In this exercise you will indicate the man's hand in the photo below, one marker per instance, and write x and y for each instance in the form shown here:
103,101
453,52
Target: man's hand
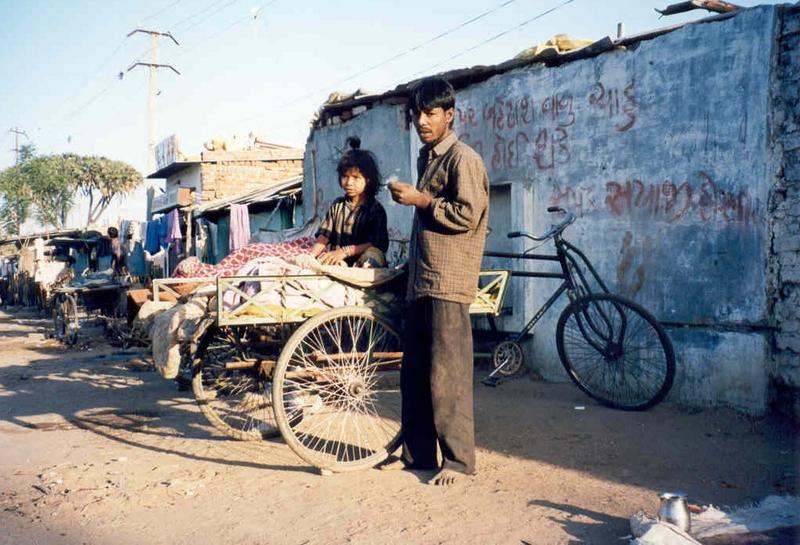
408,195
333,258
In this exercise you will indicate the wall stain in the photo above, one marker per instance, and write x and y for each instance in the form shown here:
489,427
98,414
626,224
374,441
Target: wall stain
630,276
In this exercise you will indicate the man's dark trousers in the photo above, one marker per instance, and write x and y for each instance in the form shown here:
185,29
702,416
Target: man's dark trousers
436,384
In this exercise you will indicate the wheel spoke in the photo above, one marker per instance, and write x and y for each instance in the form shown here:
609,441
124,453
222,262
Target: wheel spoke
359,420
615,351
236,401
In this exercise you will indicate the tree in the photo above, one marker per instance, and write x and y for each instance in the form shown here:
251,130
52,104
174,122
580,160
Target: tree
16,192
101,179
48,185
52,186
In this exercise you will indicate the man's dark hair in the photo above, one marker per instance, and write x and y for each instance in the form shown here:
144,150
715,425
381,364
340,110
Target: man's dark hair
432,93
113,232
364,161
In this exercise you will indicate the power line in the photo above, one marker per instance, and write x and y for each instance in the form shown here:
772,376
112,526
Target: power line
397,56
17,132
206,18
496,36
177,26
162,10
428,42
226,29
94,76
484,42
153,66
88,103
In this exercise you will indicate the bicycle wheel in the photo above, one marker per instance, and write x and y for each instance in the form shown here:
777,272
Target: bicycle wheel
507,358
229,387
65,319
615,351
337,389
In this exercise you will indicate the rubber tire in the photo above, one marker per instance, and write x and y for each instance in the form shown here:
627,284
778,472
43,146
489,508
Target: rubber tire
64,312
583,382
286,426
519,354
200,395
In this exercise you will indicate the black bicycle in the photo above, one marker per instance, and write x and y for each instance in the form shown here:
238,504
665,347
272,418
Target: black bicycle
610,346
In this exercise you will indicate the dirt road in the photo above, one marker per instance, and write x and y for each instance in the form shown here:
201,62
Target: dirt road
96,449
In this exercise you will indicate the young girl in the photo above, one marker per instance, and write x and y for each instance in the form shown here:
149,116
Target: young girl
354,229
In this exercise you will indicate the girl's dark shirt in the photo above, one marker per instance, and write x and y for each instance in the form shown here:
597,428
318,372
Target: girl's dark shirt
344,225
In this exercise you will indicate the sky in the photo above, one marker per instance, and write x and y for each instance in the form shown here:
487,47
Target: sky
251,65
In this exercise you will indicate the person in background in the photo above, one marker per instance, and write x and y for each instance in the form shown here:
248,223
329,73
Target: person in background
451,204
118,258
354,230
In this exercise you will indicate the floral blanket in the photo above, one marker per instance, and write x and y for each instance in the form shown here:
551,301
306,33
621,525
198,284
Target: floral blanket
233,263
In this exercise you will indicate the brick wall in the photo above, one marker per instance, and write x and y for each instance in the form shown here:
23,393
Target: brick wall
228,178
784,261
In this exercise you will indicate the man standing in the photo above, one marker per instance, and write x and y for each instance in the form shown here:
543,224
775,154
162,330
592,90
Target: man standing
451,203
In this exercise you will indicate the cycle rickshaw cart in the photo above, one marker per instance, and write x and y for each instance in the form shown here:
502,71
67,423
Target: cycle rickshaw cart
315,358
75,304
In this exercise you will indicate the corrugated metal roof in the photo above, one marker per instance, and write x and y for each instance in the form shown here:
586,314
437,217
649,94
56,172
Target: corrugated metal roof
463,77
271,193
265,153
21,239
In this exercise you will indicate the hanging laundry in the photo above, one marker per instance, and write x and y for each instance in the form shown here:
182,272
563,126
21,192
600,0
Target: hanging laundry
151,237
162,231
174,229
239,231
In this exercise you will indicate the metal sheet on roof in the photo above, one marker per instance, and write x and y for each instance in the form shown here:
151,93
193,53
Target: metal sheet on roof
463,77
277,191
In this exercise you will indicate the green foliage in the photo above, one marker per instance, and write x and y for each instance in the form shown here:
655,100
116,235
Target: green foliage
47,185
16,193
51,180
101,179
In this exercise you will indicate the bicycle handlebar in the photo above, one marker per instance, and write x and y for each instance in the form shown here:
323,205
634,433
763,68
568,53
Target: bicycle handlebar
553,230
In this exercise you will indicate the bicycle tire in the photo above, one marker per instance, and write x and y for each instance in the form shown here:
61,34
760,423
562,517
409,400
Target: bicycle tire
615,351
65,319
337,389
237,401
59,324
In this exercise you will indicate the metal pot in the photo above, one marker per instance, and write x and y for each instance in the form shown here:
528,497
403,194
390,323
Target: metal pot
675,510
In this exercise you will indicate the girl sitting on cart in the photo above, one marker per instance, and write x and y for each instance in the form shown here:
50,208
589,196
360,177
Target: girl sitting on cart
354,230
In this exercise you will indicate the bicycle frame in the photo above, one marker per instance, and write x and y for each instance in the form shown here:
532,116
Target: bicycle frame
574,281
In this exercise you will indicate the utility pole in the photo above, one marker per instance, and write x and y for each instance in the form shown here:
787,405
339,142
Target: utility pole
151,95
16,149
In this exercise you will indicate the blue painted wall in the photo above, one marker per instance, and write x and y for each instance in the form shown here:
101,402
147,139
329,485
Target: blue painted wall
661,149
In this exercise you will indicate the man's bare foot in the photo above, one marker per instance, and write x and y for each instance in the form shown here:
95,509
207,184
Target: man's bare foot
392,464
445,477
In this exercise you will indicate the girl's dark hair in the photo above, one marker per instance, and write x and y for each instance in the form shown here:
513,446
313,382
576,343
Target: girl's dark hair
430,93
364,161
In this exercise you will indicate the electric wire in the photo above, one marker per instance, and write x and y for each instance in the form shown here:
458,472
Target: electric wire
493,38
203,20
223,30
178,25
393,57
162,10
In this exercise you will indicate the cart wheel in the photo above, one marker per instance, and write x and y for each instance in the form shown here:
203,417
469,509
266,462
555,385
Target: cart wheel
230,388
337,389
65,319
507,358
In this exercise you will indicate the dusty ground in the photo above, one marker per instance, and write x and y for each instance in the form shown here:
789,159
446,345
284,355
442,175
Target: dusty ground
96,449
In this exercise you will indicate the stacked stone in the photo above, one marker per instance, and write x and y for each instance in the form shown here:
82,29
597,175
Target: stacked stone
229,178
784,287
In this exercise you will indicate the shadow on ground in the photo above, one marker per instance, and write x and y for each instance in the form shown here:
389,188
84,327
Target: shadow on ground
718,456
